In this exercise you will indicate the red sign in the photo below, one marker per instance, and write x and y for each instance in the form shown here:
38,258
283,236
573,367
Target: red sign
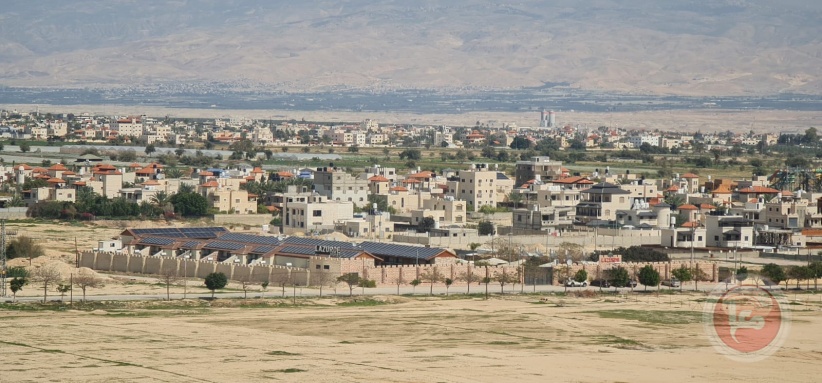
610,258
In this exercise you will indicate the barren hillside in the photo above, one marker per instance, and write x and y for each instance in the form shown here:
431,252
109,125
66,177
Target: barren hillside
727,47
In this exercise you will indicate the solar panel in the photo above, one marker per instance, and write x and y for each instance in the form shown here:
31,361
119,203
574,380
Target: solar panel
304,250
156,241
190,244
219,245
402,251
315,242
257,239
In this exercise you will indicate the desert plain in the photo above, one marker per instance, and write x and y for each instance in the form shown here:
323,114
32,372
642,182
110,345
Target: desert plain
575,337
525,338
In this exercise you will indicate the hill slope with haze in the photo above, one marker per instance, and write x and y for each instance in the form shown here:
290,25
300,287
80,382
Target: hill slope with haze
723,47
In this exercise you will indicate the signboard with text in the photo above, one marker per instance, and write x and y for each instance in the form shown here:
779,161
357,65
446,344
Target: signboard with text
333,251
615,258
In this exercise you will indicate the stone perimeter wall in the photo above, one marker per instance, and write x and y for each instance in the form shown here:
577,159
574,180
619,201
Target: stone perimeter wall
382,275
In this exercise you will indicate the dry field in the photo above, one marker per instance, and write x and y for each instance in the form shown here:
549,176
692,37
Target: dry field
705,120
597,339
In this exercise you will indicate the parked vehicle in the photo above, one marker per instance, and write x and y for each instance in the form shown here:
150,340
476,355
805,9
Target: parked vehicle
573,283
600,283
673,282
632,283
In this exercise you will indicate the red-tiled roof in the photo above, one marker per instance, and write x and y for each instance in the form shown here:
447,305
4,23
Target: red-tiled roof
687,206
398,188
210,184
205,173
758,190
707,206
672,188
56,181
689,175
377,178
722,189
690,224
257,170
422,174
58,167
573,180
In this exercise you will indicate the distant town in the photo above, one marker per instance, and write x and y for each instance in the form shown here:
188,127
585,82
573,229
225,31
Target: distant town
514,181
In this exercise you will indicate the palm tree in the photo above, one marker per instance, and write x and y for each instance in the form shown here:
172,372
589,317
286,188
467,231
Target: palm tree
161,198
185,188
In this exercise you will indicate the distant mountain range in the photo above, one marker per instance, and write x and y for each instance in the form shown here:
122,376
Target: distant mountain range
680,47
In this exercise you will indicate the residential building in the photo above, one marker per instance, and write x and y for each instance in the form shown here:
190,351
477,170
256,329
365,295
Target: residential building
541,166
313,213
338,185
477,186
601,202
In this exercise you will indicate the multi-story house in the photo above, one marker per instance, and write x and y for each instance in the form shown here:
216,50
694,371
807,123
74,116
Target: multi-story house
543,166
477,186
130,126
785,211
446,211
303,212
338,185
601,202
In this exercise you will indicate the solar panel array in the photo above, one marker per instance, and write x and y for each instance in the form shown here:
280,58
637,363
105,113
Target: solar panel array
263,249
302,250
249,238
188,232
315,242
402,251
156,241
190,244
203,232
220,245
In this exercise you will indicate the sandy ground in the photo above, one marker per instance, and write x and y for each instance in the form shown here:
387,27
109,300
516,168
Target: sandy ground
634,338
706,120
410,340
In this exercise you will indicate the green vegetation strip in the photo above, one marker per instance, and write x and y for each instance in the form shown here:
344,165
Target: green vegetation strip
653,317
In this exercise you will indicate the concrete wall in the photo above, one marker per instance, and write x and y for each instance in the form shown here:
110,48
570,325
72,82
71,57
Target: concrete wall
13,213
277,275
383,275
627,238
242,219
597,270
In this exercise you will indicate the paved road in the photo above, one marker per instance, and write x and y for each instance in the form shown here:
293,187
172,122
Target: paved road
421,290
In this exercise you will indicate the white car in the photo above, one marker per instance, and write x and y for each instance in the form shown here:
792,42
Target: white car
673,282
573,283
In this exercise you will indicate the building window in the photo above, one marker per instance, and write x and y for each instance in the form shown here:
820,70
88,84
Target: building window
317,213
326,267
